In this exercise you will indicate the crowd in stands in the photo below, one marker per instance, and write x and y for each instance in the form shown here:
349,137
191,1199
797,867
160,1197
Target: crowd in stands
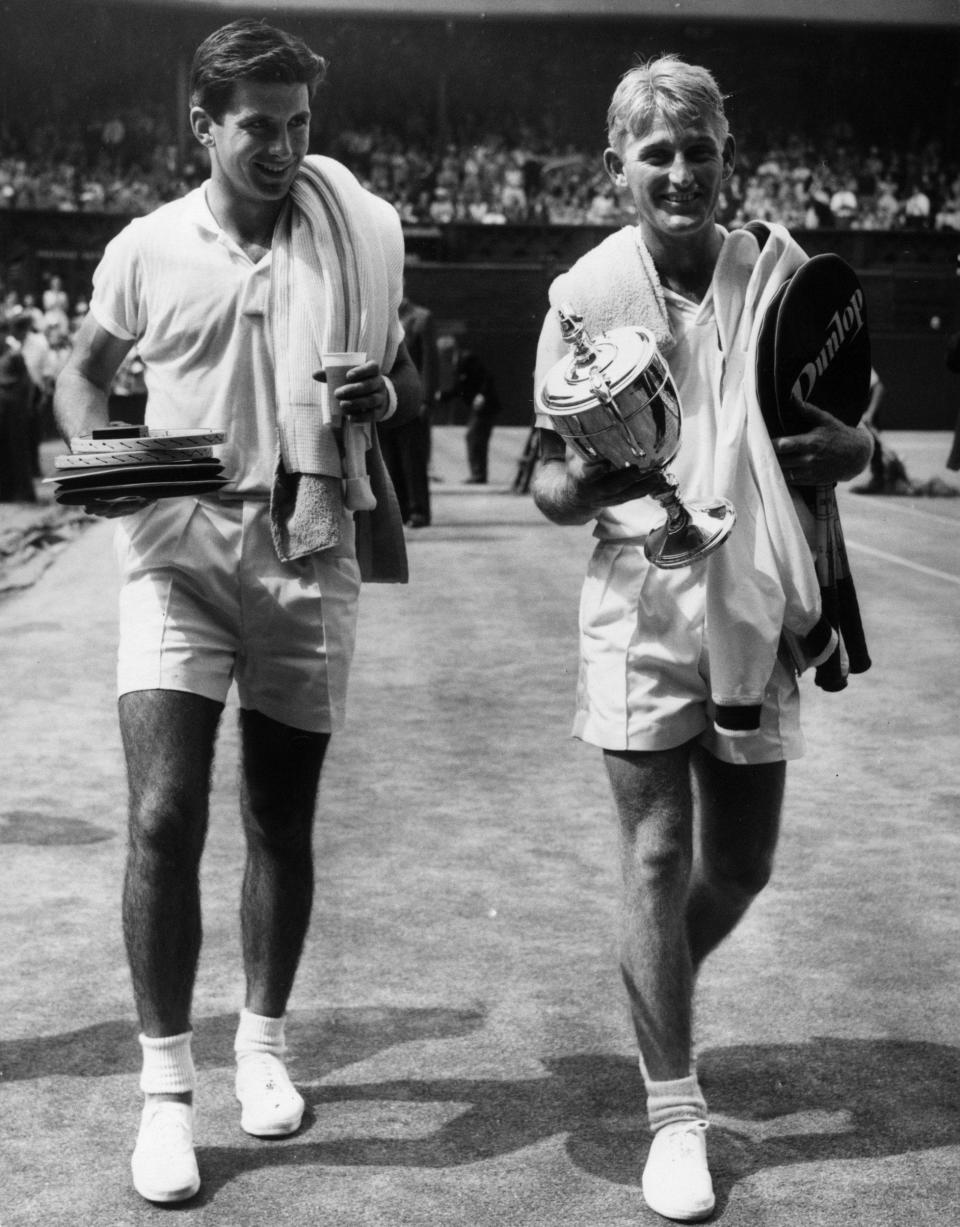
131,163
36,338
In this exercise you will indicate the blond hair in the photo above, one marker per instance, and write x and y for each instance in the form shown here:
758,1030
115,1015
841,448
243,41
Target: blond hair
665,88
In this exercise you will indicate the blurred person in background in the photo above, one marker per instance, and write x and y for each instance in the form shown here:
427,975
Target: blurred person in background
18,400
35,348
54,360
406,449
128,390
844,205
917,209
56,303
477,390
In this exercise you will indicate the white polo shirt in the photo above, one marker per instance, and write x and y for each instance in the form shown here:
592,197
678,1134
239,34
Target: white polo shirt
198,308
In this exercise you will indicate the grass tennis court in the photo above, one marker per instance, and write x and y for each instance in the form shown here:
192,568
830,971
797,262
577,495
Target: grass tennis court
458,1028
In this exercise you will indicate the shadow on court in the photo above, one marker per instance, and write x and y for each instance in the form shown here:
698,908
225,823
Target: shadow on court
324,1040
829,1099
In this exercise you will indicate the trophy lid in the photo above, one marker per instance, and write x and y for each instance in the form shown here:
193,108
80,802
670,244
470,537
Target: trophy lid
597,369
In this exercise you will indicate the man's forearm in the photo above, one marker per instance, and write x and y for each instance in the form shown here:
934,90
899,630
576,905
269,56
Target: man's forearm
79,406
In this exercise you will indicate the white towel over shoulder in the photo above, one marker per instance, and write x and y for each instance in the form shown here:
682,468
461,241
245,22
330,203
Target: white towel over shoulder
614,285
337,282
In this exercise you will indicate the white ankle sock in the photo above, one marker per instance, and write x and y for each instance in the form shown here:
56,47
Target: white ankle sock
167,1065
676,1100
257,1033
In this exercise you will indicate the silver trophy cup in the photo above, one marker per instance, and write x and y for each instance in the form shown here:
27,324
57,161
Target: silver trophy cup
614,399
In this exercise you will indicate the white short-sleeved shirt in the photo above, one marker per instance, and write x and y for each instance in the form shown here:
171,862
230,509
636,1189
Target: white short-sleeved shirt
198,308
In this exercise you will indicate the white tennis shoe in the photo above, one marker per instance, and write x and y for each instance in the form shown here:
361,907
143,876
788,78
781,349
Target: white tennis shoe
676,1179
272,1105
163,1163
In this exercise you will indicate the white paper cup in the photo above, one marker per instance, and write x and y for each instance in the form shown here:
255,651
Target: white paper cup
336,366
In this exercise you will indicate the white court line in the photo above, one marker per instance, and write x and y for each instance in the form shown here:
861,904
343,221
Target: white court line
904,562
925,514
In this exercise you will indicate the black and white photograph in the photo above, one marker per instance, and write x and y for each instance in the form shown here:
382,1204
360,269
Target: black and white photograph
479,637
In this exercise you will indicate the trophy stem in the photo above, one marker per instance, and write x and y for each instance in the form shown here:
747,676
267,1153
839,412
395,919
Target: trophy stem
690,532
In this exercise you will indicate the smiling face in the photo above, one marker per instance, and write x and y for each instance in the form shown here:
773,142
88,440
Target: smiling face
674,176
257,145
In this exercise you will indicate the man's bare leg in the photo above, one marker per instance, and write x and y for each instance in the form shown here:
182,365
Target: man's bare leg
168,738
654,801
278,795
653,798
280,776
739,825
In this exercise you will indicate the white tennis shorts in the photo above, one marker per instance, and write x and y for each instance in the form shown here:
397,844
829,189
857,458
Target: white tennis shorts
644,681
204,602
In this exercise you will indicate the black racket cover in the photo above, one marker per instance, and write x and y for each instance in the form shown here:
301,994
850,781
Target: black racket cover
822,343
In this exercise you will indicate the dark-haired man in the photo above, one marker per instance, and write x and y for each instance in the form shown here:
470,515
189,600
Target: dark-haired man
230,295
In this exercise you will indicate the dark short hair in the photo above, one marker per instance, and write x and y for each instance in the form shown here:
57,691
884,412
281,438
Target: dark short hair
249,50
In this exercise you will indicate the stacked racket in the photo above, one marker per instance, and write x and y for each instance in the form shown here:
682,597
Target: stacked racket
117,463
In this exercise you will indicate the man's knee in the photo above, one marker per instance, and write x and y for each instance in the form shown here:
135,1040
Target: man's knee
739,876
280,776
280,826
167,823
659,861
168,739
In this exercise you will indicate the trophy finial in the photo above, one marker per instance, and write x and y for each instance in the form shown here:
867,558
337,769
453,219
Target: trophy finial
574,333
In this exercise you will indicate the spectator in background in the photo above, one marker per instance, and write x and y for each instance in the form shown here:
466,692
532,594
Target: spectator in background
844,204
80,309
513,196
54,360
916,209
953,364
127,401
442,210
818,214
28,305
603,210
406,448
56,304
127,163
35,350
17,408
948,215
447,395
478,392
888,205
879,461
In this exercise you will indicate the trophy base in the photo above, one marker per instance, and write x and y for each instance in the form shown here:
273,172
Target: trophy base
696,532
